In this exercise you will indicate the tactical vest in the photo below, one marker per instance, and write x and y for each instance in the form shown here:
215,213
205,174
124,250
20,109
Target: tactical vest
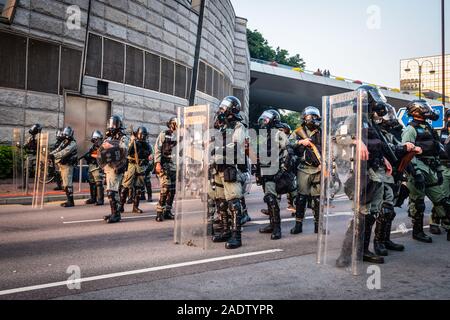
31,146
306,154
143,151
70,159
375,147
426,139
168,145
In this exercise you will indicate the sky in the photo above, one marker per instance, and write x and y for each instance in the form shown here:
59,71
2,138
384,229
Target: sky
357,39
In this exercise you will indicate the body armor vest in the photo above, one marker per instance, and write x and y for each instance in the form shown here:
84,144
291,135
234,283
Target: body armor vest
426,140
168,145
375,147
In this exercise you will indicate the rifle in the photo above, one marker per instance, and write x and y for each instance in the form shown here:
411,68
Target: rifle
136,157
302,134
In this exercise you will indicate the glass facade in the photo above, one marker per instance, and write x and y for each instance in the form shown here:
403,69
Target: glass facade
431,82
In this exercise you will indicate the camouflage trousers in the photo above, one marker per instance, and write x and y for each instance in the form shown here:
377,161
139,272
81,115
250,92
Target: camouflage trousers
167,181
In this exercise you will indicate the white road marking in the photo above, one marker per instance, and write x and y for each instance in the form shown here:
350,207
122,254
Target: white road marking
407,230
337,214
100,220
134,272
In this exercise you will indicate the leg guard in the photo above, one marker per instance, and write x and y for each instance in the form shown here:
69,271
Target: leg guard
271,201
236,228
69,195
245,216
100,194
93,193
300,211
380,234
224,221
115,213
390,216
123,199
137,199
316,211
418,233
369,256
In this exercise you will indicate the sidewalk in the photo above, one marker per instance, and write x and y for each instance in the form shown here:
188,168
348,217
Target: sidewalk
9,196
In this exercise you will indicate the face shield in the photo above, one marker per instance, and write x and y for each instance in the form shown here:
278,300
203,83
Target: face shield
428,112
311,118
265,119
390,119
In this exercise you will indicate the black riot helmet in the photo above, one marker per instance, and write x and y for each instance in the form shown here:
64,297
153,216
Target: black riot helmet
172,124
97,138
421,108
286,128
115,123
390,121
377,100
311,118
141,134
270,119
59,135
68,133
228,112
35,129
447,118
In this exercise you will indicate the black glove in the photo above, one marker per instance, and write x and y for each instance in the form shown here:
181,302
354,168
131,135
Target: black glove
419,182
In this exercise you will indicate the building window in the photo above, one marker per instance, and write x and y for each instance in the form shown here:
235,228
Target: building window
70,69
7,10
167,76
134,69
196,4
152,71
13,52
94,56
201,83
180,81
43,66
113,60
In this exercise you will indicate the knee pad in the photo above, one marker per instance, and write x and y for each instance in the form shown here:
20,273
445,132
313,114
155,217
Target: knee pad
270,200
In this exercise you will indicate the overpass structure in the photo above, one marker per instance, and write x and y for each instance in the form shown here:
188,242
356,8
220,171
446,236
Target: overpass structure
294,89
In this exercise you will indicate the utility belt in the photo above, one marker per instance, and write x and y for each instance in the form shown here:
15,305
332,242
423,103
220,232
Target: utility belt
140,162
433,163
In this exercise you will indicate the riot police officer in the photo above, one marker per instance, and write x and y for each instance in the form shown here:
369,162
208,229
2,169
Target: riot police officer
229,157
138,159
292,195
30,148
371,151
271,164
58,180
445,158
66,158
390,130
149,171
113,159
427,178
166,169
96,188
307,143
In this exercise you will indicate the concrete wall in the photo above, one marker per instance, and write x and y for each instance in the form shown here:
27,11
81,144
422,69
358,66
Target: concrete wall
164,27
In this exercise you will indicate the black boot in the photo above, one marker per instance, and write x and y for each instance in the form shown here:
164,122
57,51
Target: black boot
225,234
168,213
299,214
123,199
418,233
435,229
245,216
69,194
100,194
236,212
387,242
379,239
369,256
115,216
131,193
170,198
93,193
143,194
268,228
159,216
137,200
276,233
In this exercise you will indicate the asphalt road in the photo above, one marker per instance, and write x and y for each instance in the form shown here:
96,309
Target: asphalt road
137,259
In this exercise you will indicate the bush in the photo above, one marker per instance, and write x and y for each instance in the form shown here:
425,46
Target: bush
6,162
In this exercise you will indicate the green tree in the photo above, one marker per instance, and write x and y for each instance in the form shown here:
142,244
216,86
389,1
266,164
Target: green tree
260,49
292,118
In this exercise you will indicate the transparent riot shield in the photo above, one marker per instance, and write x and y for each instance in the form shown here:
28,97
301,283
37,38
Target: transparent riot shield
344,174
18,161
191,207
41,171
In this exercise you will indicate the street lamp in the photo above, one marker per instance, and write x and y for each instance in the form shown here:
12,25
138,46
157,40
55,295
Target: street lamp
408,69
